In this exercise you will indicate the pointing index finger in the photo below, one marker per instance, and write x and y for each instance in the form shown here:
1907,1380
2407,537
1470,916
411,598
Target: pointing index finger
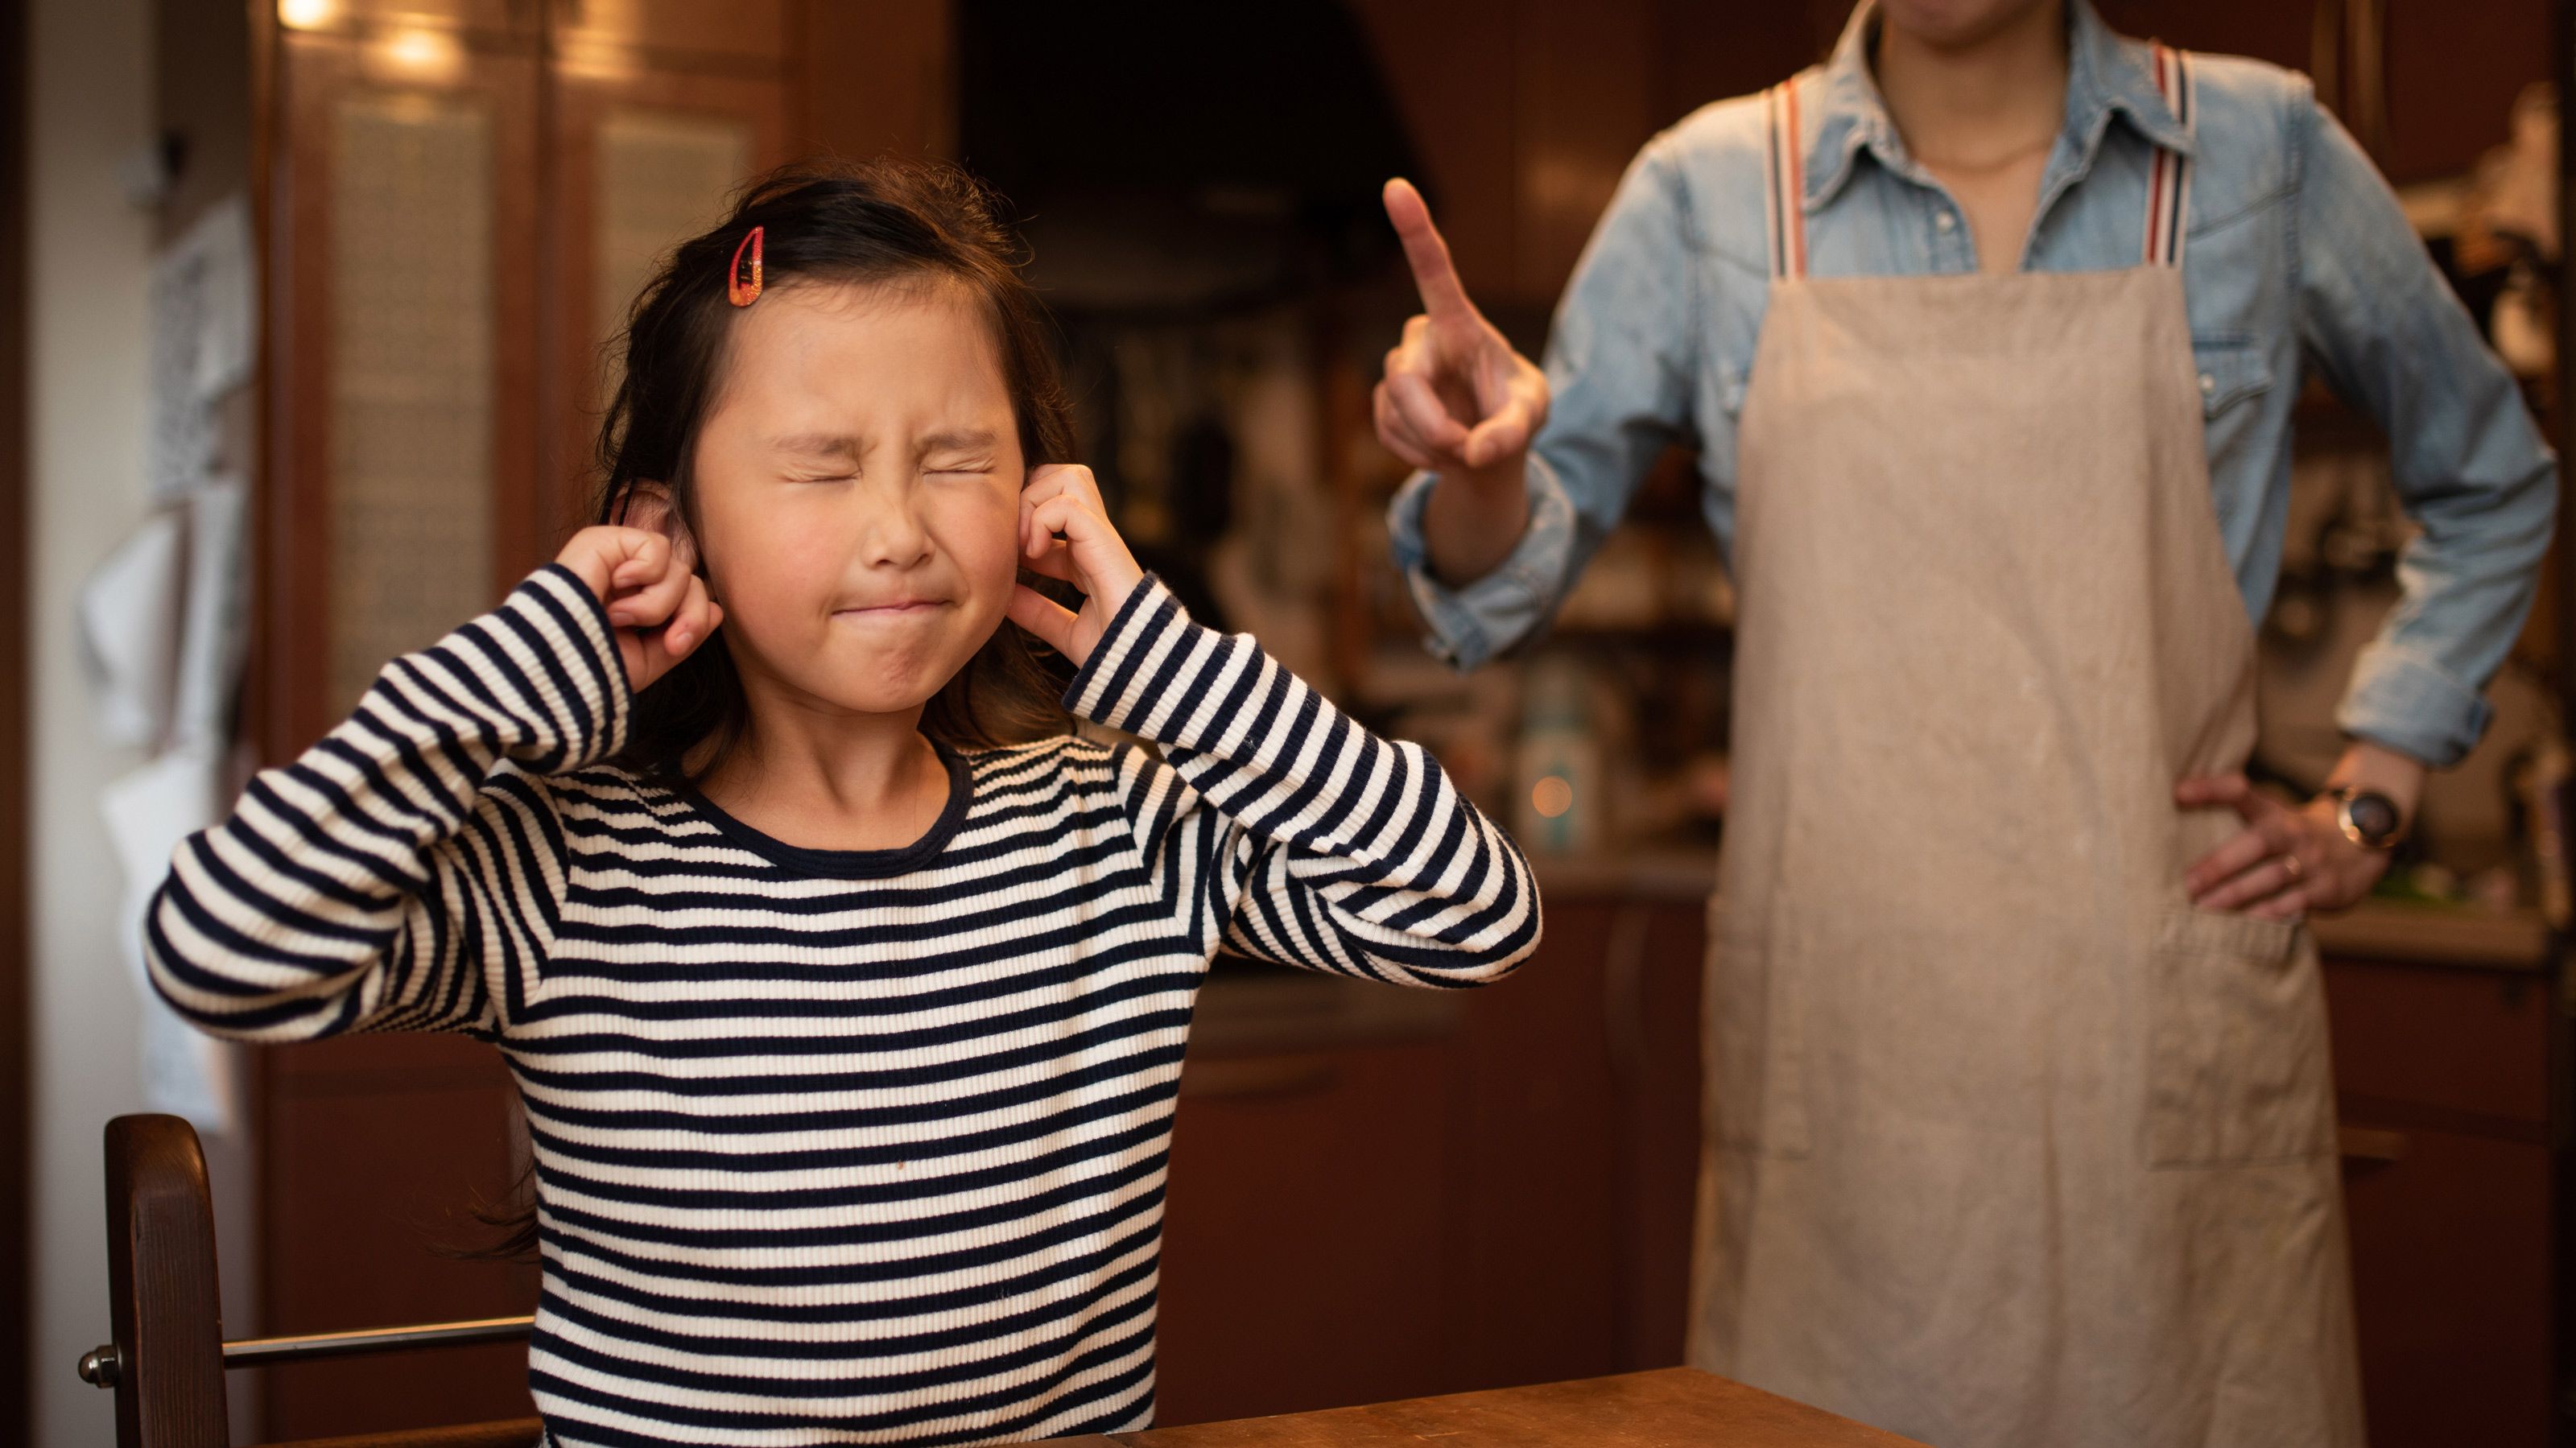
1424,251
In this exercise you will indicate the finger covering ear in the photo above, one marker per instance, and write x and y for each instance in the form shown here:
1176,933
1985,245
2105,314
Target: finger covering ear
649,505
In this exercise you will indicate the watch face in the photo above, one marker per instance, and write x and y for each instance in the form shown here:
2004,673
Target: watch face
2373,816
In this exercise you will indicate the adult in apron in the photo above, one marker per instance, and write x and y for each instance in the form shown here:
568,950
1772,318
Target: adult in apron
2007,1143
2014,1146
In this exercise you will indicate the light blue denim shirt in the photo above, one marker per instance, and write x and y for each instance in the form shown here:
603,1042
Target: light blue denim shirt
2296,252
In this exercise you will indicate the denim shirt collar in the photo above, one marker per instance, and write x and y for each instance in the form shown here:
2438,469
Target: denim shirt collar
2104,77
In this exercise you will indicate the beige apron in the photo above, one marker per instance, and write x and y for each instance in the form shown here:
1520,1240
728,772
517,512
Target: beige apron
2008,1145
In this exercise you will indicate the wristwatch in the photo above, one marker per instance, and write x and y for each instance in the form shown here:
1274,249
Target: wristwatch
2367,817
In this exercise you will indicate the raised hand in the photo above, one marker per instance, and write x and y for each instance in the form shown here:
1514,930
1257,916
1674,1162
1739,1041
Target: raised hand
1065,533
649,584
1456,399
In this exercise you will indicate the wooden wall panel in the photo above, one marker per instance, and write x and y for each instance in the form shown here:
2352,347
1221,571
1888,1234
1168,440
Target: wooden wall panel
2281,33
1705,52
2453,73
378,1148
1452,67
1585,108
869,79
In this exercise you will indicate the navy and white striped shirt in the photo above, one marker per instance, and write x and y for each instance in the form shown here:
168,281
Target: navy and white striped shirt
831,1146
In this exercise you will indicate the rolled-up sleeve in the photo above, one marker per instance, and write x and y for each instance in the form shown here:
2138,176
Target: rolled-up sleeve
1620,364
2469,464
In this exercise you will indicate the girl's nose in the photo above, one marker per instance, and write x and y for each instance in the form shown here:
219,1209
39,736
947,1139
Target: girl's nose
891,533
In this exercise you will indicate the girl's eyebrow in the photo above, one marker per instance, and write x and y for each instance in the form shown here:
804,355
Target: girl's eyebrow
968,440
832,444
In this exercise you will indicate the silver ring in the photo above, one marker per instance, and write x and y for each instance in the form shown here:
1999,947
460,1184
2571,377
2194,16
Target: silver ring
2297,869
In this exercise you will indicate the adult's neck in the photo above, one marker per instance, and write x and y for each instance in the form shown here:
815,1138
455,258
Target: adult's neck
1967,97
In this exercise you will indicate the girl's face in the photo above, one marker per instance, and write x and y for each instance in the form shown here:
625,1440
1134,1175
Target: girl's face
858,481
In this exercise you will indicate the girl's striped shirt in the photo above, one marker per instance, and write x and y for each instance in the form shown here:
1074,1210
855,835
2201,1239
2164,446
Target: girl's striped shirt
831,1146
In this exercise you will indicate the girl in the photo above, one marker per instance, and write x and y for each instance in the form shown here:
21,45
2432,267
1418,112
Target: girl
846,991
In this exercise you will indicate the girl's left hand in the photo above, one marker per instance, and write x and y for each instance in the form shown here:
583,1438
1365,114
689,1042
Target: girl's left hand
2284,863
1065,533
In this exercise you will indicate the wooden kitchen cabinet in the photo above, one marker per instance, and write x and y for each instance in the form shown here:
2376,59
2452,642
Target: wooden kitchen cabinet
875,79
1526,114
1507,1198
1579,1109
2451,1252
1655,1004
380,1149
2452,74
2428,90
2467,1046
1448,65
1307,1226
2443,1075
1536,1233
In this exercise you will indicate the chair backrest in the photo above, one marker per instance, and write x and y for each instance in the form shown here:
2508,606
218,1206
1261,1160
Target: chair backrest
166,1362
163,1303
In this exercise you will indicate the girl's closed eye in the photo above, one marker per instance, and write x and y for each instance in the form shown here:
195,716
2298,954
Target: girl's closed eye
966,452
819,457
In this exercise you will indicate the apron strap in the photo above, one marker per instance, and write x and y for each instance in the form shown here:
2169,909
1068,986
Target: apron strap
2169,176
1784,188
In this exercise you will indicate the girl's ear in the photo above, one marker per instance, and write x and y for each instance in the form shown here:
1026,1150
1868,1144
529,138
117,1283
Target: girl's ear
647,505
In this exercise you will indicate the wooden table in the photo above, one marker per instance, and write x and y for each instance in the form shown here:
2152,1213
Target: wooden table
1671,1406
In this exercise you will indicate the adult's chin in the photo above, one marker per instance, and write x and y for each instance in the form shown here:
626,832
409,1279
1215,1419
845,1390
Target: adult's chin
1948,24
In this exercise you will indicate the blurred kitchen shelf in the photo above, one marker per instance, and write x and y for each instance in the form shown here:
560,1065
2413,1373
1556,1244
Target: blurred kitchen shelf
2437,935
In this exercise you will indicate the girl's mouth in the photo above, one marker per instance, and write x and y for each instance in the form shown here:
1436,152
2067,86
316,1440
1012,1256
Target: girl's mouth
898,608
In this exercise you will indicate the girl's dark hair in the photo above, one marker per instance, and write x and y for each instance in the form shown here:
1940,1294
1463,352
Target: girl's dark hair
883,222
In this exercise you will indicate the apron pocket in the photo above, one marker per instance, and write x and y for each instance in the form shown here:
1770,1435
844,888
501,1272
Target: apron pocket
2236,1043
1753,1035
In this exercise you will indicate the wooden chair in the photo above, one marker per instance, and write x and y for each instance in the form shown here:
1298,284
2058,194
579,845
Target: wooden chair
169,1356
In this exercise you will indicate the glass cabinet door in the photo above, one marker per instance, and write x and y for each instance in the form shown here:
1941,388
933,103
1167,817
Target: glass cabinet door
411,402
404,297
644,157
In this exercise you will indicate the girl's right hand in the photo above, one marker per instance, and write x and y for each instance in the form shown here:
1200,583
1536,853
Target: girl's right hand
653,595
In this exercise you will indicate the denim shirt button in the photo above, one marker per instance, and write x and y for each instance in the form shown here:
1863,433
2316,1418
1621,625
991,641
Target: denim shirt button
1945,221
2208,384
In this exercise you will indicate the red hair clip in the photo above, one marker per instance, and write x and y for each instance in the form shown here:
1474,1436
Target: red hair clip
738,291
